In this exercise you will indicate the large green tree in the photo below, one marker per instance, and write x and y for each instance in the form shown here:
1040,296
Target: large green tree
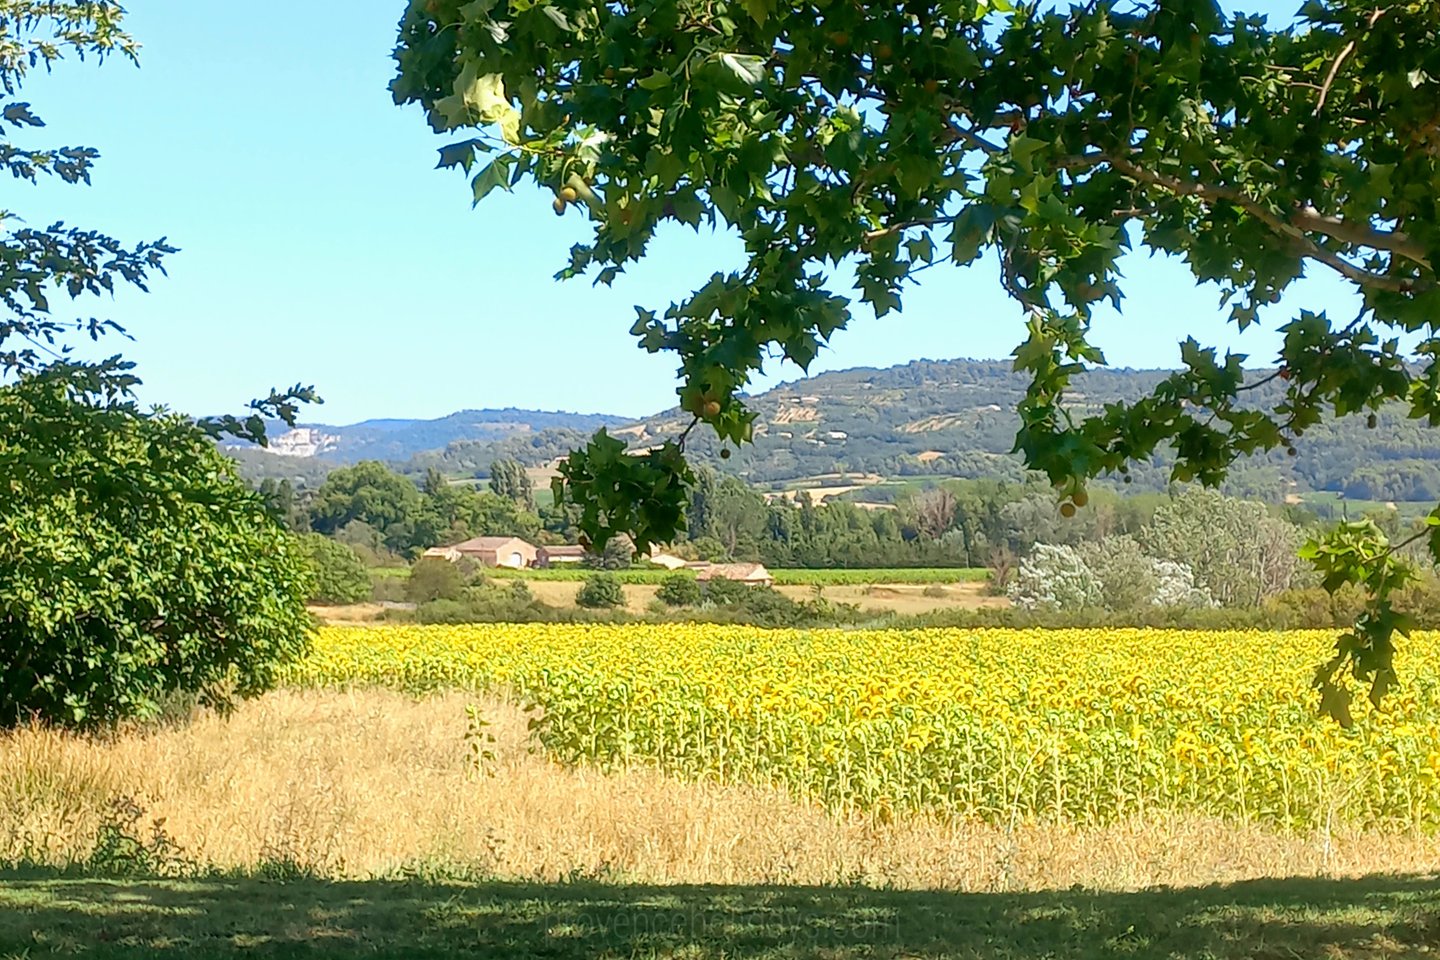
508,479
370,493
894,138
133,561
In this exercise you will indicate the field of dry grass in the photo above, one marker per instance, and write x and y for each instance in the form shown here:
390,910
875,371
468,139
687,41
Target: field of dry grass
879,597
373,783
907,599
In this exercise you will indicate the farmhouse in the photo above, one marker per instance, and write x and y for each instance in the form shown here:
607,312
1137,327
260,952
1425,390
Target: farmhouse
490,551
666,560
559,555
753,574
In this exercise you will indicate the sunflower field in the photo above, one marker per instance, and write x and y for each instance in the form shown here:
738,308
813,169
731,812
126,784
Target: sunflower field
1083,726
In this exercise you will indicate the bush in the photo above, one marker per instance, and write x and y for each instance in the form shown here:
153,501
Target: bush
136,565
729,601
679,590
722,592
385,589
434,578
601,592
935,590
1055,577
444,611
339,575
1129,579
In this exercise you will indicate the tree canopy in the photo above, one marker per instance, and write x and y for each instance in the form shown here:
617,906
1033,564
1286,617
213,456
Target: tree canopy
894,138
134,563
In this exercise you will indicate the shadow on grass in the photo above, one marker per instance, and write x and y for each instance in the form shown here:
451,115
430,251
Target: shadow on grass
45,915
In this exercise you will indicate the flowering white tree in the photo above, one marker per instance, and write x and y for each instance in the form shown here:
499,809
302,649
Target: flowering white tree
1055,577
1111,574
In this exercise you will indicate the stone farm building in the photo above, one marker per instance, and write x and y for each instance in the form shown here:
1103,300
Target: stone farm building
491,552
559,556
753,574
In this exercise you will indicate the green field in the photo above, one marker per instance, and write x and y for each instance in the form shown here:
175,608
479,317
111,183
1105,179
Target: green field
804,578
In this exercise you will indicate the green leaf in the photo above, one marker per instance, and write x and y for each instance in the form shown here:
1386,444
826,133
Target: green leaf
759,9
557,16
462,154
495,174
747,68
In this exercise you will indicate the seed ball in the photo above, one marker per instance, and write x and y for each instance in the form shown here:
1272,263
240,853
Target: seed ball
711,409
1067,510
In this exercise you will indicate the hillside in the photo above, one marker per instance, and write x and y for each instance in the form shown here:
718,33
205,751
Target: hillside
401,439
956,418
925,419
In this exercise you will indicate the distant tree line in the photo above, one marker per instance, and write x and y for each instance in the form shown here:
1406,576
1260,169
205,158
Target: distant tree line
1121,553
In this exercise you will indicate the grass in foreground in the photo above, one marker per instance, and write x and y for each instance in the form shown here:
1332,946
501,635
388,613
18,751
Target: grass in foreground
1376,917
369,784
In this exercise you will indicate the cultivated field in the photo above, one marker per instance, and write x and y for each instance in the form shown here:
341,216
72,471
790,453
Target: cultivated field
373,783
702,791
1004,726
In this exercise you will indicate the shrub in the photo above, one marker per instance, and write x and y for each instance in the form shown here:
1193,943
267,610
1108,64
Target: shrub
935,590
602,591
679,590
387,589
339,575
434,578
444,611
761,606
722,592
134,565
1055,577
1129,579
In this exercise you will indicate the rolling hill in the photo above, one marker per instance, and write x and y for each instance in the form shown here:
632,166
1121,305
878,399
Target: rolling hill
925,419
398,440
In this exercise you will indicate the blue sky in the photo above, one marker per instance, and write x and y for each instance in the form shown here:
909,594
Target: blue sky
318,244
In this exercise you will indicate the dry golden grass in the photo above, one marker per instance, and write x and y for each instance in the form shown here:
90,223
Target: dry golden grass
350,614
905,598
882,598
901,598
561,593
366,783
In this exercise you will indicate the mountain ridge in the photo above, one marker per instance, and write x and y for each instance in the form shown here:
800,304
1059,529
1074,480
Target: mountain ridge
928,419
399,438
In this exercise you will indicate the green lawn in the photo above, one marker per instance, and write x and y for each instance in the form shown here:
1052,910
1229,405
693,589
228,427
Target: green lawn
52,916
